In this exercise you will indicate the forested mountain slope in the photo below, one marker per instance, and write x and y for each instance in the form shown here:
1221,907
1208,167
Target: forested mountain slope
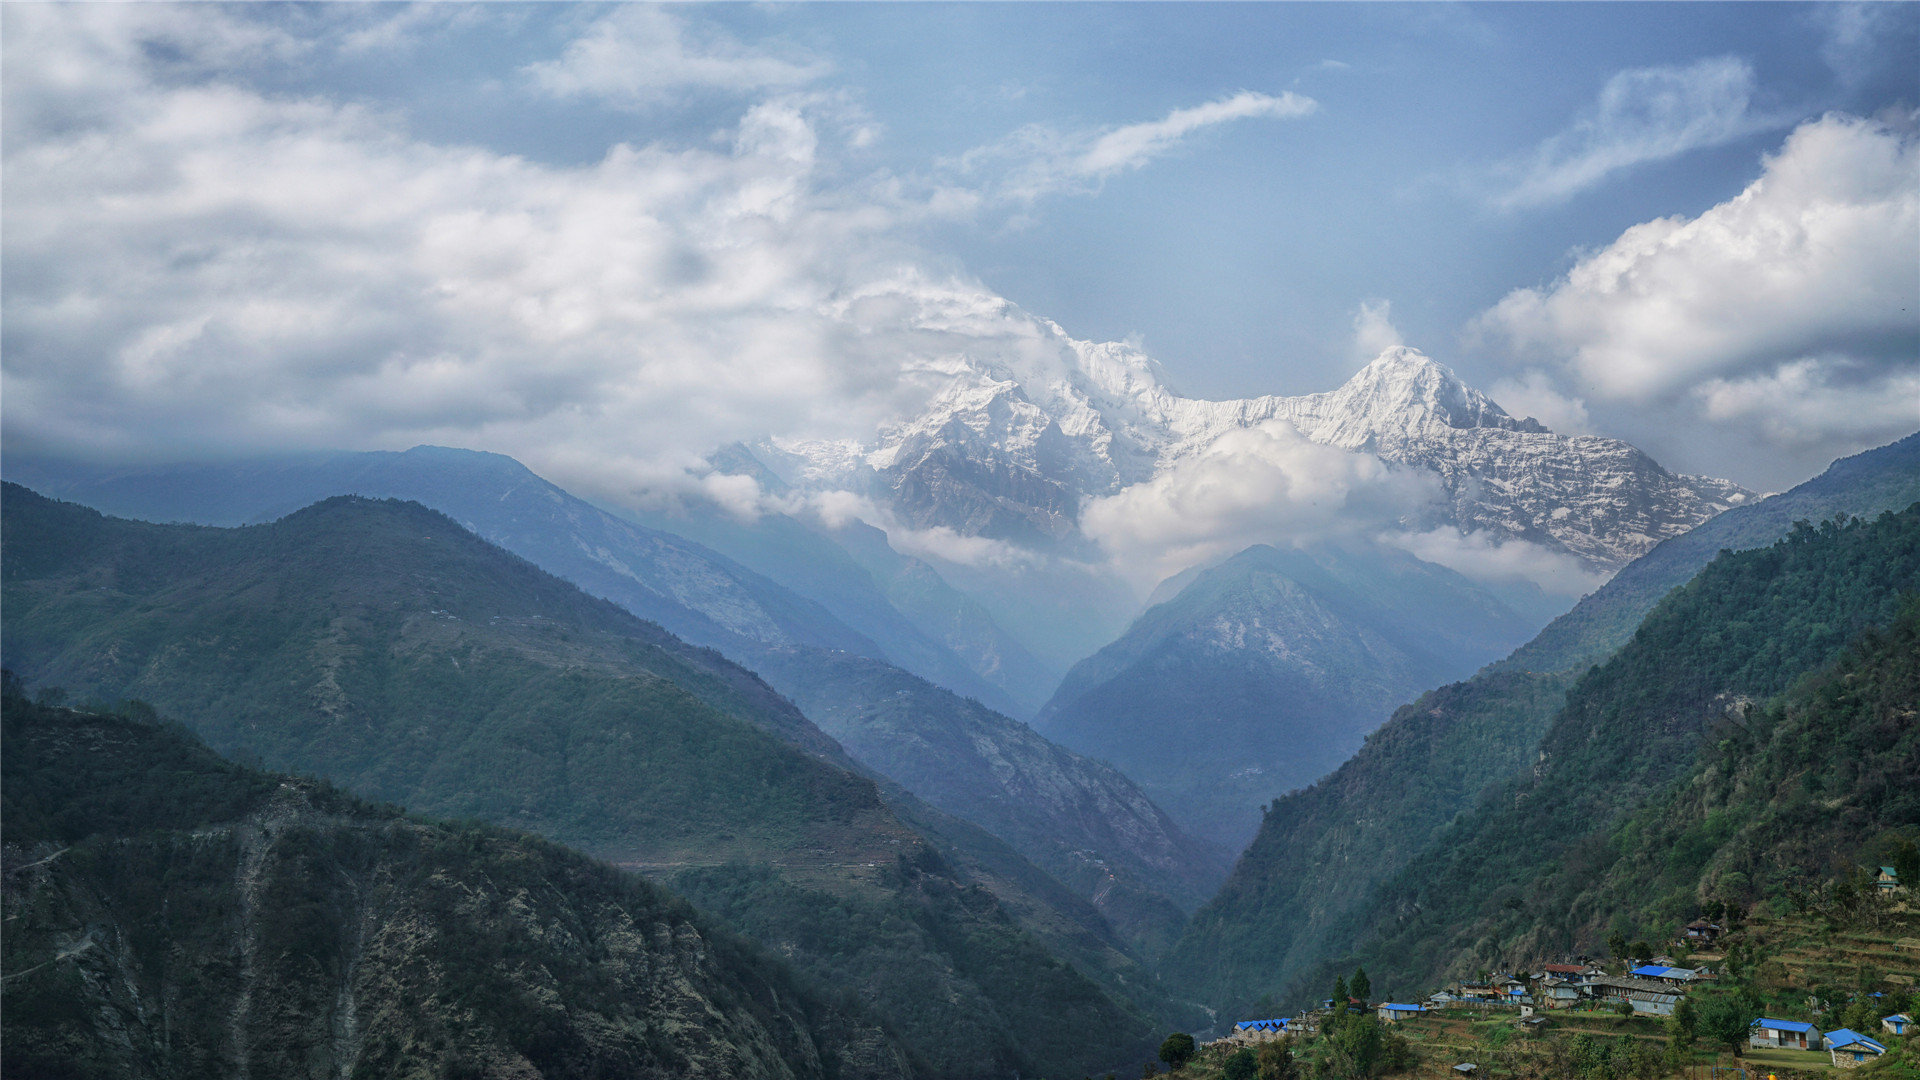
709,599
1320,851
1782,797
379,644
1264,673
1743,630
172,915
1097,832
1884,478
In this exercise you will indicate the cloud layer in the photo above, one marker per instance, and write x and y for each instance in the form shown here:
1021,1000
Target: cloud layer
642,55
1038,161
1259,485
1790,307
1643,115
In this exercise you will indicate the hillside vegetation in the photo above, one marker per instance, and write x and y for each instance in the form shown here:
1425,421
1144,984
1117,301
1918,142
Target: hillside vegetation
382,646
1741,631
1321,851
172,915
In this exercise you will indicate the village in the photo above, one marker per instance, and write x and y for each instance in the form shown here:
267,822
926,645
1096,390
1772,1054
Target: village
1768,994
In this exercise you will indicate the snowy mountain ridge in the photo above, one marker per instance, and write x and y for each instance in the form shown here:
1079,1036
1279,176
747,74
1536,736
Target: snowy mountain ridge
1016,441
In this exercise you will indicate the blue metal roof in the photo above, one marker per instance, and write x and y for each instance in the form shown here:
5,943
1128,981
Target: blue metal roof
1261,1025
1849,1037
1782,1025
1403,1008
1655,971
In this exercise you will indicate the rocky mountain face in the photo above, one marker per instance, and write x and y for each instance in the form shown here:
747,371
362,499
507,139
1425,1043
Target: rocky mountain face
1311,872
171,915
1011,449
1265,672
380,644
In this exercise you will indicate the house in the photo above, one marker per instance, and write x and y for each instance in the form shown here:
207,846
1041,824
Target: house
1389,1011
1850,1048
1648,996
1569,972
1465,1068
1701,932
1478,992
1789,1034
1559,993
1898,1023
1258,1030
1889,879
1673,976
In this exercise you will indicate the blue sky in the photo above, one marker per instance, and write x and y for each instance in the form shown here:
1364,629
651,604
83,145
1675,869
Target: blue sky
1260,194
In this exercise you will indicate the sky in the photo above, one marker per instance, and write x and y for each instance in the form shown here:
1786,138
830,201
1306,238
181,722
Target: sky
606,239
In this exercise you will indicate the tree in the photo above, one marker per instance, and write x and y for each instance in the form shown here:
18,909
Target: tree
1241,1065
1725,1018
1276,1061
1358,1045
1640,951
1906,865
1177,1050
1361,987
1617,944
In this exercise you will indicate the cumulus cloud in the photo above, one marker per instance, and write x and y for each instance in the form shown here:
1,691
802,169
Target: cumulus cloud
1260,485
641,55
1789,309
1643,115
1499,561
200,268
1808,402
1373,330
1037,161
1534,394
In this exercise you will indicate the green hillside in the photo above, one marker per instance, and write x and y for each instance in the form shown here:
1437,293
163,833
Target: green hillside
1783,798
1743,630
1321,851
172,915
380,645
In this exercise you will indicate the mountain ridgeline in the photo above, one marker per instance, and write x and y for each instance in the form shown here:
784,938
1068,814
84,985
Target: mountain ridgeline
382,646
1263,673
1495,884
171,915
1321,852
1153,874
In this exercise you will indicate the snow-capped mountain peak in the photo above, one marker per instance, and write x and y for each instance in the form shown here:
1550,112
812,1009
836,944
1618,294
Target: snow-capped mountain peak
1012,446
1401,394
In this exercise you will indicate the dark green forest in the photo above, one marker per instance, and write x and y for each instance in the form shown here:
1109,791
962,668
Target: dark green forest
1744,630
173,915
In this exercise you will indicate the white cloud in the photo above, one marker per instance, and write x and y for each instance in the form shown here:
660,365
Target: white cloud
1261,485
1496,561
194,267
1534,394
1817,401
641,55
1037,161
1643,115
1785,311
1373,330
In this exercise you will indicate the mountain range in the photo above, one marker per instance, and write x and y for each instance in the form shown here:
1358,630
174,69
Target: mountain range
1073,812
1013,453
1302,894
1263,673
380,644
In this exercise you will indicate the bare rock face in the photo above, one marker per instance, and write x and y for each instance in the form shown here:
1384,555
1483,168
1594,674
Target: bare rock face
1011,448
